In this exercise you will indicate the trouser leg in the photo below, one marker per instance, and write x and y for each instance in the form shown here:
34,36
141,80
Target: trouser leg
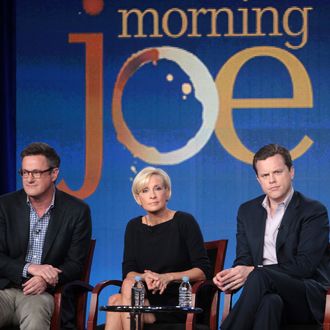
68,310
260,283
34,312
242,315
269,313
296,309
7,306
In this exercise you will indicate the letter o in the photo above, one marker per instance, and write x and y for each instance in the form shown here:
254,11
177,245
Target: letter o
205,92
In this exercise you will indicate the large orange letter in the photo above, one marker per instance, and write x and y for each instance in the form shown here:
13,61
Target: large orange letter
302,98
94,113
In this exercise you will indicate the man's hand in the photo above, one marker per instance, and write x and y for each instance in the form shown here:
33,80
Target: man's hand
232,278
156,282
35,285
47,272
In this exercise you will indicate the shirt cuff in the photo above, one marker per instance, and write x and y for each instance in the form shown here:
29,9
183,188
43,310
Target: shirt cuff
25,270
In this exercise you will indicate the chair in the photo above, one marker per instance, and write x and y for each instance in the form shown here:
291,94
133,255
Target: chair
216,251
81,288
326,322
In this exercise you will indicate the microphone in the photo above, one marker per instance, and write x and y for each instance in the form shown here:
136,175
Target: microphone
38,231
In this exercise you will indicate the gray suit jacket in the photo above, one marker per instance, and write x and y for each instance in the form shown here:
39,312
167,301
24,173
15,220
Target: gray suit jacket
301,245
66,242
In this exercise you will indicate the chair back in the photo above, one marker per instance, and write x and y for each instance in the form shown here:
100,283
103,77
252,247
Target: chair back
81,288
216,251
88,264
326,321
208,297
82,298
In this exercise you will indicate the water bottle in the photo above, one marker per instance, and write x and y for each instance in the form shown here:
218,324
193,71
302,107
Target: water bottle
185,294
138,292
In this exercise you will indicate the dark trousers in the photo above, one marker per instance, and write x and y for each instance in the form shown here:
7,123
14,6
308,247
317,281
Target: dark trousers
68,310
268,300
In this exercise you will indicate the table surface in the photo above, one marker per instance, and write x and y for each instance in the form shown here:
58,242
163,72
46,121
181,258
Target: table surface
150,309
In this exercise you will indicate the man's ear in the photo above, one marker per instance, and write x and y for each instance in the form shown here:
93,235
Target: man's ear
292,172
55,173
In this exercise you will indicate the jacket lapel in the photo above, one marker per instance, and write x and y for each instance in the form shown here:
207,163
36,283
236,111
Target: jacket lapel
23,217
288,218
260,233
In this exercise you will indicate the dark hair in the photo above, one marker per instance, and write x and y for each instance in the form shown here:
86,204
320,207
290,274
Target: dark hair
270,150
41,148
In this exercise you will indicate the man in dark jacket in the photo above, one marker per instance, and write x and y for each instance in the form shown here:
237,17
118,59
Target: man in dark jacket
44,240
282,259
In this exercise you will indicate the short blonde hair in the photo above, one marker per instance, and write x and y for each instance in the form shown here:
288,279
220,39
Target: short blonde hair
143,177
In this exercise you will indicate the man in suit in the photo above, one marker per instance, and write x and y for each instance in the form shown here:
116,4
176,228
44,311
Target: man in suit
282,259
44,240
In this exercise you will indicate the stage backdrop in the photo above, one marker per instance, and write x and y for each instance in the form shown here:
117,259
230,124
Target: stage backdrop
194,87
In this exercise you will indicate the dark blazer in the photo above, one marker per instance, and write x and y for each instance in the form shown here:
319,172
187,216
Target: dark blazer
66,242
301,245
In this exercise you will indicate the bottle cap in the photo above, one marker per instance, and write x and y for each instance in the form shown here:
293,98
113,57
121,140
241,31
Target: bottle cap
137,278
185,278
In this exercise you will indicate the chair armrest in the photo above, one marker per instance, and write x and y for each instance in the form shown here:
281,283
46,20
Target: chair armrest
326,322
77,285
56,317
196,288
228,298
93,308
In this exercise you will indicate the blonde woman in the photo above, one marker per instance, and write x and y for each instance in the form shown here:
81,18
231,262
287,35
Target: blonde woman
161,246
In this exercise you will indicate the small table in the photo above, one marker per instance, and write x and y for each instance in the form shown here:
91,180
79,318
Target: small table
136,311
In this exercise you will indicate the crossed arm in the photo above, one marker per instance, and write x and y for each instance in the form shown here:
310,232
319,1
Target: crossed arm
47,275
42,277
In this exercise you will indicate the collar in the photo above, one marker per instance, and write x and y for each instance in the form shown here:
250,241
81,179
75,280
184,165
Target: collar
284,203
51,205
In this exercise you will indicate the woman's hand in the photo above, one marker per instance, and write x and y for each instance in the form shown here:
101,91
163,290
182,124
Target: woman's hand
156,282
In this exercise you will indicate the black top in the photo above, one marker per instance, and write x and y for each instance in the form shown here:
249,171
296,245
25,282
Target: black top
173,246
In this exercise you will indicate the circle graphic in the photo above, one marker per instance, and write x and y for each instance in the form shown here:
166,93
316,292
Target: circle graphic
205,92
